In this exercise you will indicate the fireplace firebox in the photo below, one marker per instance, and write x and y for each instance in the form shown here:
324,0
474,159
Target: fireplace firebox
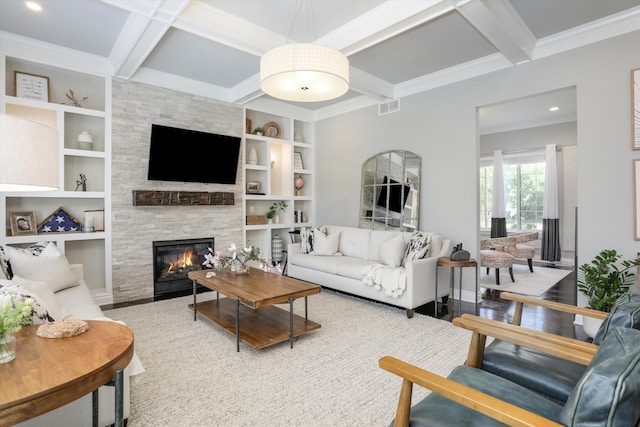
172,262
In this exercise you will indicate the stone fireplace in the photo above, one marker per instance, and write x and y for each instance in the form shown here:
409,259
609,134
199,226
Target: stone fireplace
172,262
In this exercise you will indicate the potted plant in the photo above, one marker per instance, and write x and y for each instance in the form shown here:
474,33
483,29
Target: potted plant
258,131
274,209
603,281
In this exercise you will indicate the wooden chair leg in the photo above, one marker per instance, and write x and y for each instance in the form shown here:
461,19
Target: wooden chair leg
497,276
530,261
511,274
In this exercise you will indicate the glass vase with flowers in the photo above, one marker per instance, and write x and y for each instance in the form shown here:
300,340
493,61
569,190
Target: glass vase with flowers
15,312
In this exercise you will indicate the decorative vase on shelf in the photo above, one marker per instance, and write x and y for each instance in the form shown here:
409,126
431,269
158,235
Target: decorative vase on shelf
276,248
252,158
298,183
269,220
276,219
298,136
7,348
85,141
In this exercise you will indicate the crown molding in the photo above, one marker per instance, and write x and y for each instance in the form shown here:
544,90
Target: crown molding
612,26
54,55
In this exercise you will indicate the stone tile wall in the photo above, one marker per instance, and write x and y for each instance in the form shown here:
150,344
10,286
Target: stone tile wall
135,107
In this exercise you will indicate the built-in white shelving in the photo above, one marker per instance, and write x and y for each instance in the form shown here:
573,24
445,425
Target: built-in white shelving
274,174
93,249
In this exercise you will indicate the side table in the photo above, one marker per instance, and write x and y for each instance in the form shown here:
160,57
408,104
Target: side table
48,373
448,262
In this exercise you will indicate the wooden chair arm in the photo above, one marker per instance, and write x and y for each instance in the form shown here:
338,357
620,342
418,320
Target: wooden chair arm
467,396
535,340
546,336
558,306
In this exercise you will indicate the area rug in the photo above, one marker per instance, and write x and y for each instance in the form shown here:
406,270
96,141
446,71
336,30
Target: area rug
195,377
527,283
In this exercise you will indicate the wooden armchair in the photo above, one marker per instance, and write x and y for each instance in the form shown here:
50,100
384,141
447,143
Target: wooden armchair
459,399
556,378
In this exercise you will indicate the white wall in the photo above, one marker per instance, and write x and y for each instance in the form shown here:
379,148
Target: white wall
440,125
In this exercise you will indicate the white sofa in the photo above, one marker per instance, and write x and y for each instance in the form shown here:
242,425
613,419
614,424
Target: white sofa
43,272
361,248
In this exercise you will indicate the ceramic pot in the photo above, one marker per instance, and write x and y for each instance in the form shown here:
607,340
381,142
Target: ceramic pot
591,326
252,158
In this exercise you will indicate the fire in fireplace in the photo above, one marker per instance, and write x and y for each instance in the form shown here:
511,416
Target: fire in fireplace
173,260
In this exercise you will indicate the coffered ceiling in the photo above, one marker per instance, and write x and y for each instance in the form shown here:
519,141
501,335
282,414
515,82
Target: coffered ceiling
395,47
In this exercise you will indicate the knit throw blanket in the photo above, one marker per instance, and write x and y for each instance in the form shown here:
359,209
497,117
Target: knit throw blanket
392,279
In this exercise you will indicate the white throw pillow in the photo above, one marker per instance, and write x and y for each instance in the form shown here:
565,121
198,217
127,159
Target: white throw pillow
51,266
392,251
42,290
325,245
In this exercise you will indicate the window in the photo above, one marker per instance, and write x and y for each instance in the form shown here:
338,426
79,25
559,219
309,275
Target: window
523,191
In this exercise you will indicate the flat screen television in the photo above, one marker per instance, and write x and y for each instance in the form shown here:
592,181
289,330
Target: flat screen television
397,199
192,156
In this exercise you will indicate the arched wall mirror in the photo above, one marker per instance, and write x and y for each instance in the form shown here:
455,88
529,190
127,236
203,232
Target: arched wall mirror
390,194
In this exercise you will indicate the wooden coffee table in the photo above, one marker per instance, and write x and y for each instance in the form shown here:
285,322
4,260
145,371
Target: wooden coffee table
48,373
248,312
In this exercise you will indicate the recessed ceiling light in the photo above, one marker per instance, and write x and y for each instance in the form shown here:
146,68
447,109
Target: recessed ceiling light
554,108
33,6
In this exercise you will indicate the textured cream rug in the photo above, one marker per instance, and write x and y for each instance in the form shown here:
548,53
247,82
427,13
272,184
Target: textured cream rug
195,377
527,283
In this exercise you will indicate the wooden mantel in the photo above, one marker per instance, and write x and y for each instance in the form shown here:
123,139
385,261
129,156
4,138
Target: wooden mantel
181,198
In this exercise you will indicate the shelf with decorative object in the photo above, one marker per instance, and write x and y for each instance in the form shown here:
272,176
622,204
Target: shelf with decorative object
78,105
277,167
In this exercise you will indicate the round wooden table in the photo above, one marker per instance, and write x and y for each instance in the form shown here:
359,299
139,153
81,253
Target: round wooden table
448,262
49,373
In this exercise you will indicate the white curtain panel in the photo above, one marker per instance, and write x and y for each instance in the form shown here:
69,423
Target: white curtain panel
550,209
498,208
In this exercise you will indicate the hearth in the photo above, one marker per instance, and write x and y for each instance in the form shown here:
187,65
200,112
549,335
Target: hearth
173,260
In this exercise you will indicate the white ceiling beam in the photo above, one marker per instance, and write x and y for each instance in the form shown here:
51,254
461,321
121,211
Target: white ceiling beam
182,84
383,22
147,24
501,25
370,85
217,25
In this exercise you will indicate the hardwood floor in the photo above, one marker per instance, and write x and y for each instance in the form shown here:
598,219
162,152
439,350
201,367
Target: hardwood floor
492,307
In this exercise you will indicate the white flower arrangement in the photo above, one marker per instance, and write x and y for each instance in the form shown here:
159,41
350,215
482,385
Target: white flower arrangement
215,259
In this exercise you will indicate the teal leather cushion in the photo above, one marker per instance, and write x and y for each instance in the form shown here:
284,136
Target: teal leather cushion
608,394
437,411
548,375
625,313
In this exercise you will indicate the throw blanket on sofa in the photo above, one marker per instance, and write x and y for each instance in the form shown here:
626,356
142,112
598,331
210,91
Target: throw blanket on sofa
392,279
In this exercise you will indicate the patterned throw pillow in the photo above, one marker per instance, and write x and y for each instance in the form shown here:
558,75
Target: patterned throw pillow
417,248
307,238
5,265
16,294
